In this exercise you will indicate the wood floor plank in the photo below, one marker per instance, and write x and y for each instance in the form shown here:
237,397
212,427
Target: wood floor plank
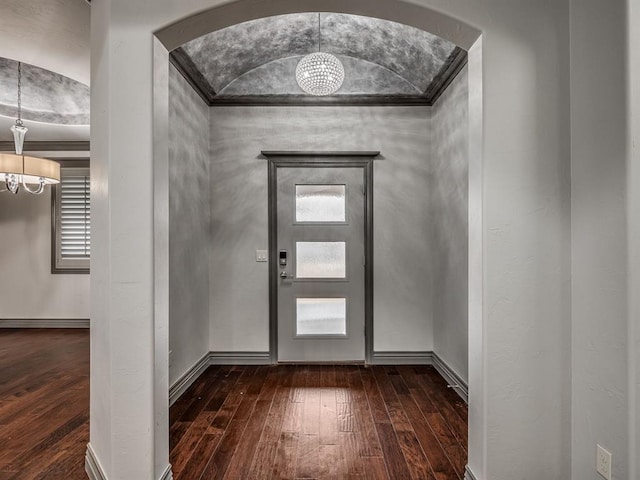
248,392
441,466
243,457
414,455
342,383
221,458
455,451
329,461
393,455
436,394
196,430
308,456
375,468
328,417
328,376
284,465
311,412
365,431
450,394
199,457
351,463
266,448
376,403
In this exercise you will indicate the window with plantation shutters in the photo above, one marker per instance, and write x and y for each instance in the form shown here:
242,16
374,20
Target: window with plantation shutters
72,212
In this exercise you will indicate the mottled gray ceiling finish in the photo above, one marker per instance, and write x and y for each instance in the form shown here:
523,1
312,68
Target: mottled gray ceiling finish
259,57
46,96
361,78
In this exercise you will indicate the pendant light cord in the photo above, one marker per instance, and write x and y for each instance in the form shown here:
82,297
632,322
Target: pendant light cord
19,120
319,34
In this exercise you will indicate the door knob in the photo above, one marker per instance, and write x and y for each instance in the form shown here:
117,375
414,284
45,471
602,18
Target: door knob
283,274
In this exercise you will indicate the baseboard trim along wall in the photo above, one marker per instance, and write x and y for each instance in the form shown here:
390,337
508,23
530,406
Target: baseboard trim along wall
454,380
92,465
168,474
215,358
239,358
402,358
44,323
96,472
468,474
187,378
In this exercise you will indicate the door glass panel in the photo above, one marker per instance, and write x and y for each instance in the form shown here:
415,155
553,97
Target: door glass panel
320,203
321,316
321,260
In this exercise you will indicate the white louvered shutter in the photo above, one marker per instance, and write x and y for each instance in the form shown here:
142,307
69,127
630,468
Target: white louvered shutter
75,215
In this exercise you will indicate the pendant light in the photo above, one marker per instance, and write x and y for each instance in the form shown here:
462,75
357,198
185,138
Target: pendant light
320,73
18,169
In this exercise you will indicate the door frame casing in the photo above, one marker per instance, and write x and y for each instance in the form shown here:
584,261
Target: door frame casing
313,159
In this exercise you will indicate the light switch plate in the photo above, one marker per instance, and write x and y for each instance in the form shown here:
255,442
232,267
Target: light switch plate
603,462
261,256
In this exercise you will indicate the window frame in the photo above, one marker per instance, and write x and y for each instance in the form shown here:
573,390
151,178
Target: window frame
61,265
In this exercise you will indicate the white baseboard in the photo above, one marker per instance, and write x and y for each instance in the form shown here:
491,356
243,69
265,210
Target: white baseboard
453,379
92,465
96,472
468,474
44,323
168,474
402,358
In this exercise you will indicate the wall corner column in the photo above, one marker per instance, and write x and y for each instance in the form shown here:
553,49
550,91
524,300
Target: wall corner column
129,274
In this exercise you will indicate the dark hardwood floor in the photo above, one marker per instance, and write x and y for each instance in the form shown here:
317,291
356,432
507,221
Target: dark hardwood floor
319,422
280,422
44,403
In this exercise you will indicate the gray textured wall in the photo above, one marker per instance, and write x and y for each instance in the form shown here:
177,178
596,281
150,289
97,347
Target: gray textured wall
239,285
450,226
188,226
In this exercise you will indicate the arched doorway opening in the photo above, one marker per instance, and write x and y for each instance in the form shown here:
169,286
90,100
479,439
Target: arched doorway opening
190,28
139,456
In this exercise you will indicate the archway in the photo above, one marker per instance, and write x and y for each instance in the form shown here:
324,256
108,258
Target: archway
426,19
522,222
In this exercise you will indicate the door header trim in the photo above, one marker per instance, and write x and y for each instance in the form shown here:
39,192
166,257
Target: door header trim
311,153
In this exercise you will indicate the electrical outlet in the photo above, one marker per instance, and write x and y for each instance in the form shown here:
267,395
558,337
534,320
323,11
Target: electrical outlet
261,256
603,462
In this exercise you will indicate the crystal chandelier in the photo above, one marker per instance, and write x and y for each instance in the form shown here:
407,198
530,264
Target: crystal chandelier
18,169
320,73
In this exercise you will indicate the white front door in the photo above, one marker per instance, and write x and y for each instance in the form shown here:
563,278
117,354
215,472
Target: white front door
321,263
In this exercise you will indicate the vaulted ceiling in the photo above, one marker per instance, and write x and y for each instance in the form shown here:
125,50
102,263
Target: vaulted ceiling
248,63
255,61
